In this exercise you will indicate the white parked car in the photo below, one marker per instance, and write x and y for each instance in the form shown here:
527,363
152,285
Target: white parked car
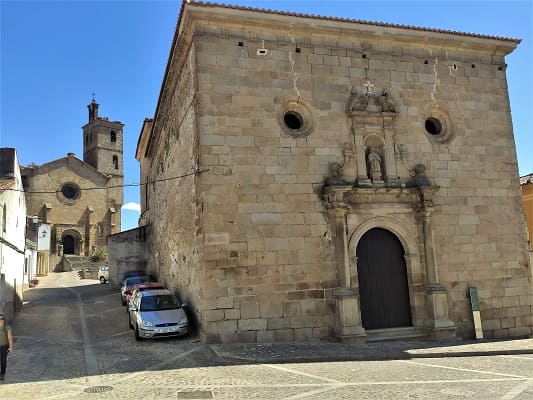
103,273
157,313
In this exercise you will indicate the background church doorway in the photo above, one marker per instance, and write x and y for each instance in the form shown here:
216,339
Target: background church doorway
383,287
68,244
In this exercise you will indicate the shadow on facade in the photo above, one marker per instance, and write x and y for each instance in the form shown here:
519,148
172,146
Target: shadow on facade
10,300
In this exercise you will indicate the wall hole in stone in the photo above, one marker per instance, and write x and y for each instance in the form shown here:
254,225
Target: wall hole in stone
433,126
241,43
426,62
293,120
473,65
364,55
454,66
298,50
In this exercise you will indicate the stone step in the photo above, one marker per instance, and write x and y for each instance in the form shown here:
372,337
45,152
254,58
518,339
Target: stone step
402,333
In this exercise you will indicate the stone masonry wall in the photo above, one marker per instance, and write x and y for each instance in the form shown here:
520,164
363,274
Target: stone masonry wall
267,248
172,196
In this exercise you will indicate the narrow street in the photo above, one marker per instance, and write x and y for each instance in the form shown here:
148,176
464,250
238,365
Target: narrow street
72,341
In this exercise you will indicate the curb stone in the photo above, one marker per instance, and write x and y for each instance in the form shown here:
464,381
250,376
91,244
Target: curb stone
376,351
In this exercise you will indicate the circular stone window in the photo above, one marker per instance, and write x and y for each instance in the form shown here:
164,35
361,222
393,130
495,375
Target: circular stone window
438,124
70,191
296,118
433,126
293,120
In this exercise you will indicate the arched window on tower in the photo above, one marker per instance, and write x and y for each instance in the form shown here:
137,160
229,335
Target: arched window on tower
115,162
113,136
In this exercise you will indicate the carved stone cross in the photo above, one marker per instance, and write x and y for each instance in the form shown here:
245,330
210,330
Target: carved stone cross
369,88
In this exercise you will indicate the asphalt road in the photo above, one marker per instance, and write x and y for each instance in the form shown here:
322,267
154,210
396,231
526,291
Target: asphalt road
72,341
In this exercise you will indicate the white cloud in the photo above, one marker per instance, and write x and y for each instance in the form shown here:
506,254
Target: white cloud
132,206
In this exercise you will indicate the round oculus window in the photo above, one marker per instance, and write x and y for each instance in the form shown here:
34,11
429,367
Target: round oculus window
70,191
297,118
293,120
433,126
438,124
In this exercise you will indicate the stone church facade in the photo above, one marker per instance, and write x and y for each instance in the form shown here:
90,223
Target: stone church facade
310,178
80,199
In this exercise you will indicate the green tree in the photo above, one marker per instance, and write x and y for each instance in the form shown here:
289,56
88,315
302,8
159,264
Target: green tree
98,255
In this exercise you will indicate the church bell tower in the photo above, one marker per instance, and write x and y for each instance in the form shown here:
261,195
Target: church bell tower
103,149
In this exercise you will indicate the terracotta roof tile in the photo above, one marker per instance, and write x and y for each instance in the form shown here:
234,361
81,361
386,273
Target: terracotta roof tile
524,180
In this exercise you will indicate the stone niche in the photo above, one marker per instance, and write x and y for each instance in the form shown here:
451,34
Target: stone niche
374,137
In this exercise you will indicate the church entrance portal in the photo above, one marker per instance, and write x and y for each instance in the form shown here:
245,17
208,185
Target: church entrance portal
68,245
383,287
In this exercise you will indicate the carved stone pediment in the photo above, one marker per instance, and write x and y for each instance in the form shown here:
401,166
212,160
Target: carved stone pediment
417,198
364,103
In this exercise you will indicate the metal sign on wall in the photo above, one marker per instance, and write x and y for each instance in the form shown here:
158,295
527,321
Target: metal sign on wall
43,237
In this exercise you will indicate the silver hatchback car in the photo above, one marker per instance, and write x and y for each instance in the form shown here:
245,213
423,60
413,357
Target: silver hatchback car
157,313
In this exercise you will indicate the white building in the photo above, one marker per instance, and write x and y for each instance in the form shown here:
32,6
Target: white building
12,232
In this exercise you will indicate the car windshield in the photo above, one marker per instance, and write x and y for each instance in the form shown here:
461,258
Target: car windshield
159,302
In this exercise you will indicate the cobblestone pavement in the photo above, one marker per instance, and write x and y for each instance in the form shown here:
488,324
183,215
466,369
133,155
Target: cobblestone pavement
73,342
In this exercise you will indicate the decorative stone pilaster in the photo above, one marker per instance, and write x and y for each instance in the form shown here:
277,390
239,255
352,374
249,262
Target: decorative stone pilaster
360,149
348,328
437,324
390,160
337,217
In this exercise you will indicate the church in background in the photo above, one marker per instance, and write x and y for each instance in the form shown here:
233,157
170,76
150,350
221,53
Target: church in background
80,200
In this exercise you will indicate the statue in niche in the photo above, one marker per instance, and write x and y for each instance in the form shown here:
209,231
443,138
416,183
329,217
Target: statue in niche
374,164
357,102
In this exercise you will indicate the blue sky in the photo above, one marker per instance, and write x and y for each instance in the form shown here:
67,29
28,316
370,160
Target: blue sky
55,54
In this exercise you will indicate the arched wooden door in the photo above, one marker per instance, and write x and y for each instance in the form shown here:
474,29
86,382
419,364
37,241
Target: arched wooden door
68,244
383,287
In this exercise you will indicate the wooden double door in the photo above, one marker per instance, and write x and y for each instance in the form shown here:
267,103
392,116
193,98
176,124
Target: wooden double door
383,286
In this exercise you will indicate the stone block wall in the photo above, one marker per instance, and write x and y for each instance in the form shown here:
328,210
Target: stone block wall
172,199
268,234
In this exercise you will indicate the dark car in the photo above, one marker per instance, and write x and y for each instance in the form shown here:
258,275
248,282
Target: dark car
128,284
131,274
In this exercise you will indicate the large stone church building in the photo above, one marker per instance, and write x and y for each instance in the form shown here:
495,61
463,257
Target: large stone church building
310,177
79,199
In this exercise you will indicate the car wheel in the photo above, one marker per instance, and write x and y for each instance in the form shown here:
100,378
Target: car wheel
137,336
102,279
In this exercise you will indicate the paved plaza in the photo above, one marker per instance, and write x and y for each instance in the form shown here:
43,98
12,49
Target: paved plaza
73,342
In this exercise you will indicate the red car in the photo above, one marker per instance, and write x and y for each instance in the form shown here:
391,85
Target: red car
140,287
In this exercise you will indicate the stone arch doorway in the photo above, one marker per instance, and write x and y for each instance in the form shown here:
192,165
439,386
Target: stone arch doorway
383,285
69,244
